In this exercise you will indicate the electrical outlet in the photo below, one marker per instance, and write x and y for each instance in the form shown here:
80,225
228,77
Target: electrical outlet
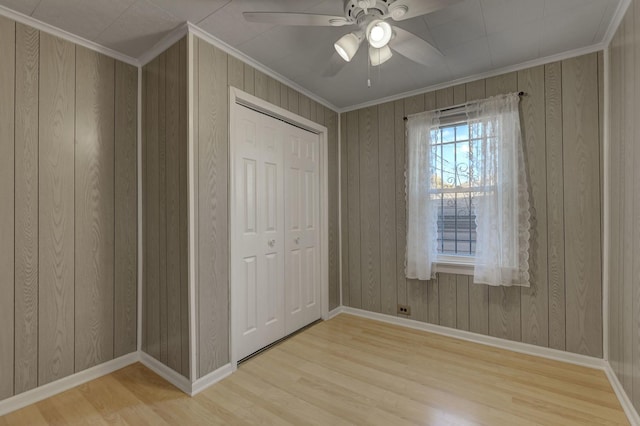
404,310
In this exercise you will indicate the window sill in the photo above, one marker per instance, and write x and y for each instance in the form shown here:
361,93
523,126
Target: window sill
455,265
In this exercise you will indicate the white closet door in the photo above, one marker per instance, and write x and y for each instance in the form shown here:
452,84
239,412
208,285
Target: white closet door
302,222
258,255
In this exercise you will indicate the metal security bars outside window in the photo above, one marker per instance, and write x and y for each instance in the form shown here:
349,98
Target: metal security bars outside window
455,181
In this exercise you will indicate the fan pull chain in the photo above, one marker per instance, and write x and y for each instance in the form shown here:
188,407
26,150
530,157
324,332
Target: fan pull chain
368,72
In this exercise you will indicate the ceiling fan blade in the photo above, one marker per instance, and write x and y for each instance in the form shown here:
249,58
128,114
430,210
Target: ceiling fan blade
407,9
306,19
413,47
336,64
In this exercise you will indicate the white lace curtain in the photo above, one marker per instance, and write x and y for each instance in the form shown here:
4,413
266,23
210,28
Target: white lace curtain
422,210
502,211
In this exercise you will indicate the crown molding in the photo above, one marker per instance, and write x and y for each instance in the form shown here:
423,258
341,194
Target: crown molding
499,71
618,16
202,34
65,35
165,43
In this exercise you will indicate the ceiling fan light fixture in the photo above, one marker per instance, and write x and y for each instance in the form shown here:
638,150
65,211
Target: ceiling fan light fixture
379,33
379,56
347,46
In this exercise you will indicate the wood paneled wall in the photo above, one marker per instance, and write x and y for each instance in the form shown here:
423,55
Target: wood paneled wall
561,121
624,203
214,72
68,258
165,319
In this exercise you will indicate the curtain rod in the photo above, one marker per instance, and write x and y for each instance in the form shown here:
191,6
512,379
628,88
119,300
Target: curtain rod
457,106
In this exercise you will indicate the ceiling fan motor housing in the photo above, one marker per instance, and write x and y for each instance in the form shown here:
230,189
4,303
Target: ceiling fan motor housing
354,10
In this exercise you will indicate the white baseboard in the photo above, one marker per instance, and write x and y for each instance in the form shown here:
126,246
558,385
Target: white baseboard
50,389
181,382
211,378
167,373
335,312
627,405
525,348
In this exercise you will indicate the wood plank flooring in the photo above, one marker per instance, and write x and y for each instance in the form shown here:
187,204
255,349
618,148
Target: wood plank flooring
351,370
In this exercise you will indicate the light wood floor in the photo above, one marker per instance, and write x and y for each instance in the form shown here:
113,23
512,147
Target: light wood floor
352,371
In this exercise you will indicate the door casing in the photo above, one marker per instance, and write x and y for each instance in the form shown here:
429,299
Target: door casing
238,97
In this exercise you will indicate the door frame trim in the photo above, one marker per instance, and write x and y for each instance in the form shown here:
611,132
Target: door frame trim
237,98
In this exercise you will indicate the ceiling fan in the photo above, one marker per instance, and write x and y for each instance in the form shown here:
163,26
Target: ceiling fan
371,17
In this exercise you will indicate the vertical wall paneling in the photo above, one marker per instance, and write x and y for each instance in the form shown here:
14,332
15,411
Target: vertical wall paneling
236,73
126,209
144,195
387,171
261,85
7,247
416,290
284,97
173,246
534,299
631,343
194,110
165,188
314,109
536,314
183,200
628,325
63,108
623,205
369,208
582,205
304,106
293,101
330,120
56,209
344,209
504,302
555,204
447,299
626,210
615,201
459,94
162,203
273,91
152,215
353,178
94,208
631,105
26,208
401,211
213,288
462,300
249,79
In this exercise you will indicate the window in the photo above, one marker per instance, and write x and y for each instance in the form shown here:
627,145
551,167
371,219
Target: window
454,181
467,193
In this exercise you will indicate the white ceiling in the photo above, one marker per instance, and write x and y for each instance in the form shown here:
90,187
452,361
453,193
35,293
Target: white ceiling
475,36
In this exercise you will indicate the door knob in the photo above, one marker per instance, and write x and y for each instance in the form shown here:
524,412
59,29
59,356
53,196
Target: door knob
272,243
297,240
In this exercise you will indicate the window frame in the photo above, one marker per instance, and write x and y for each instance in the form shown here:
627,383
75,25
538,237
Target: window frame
452,263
